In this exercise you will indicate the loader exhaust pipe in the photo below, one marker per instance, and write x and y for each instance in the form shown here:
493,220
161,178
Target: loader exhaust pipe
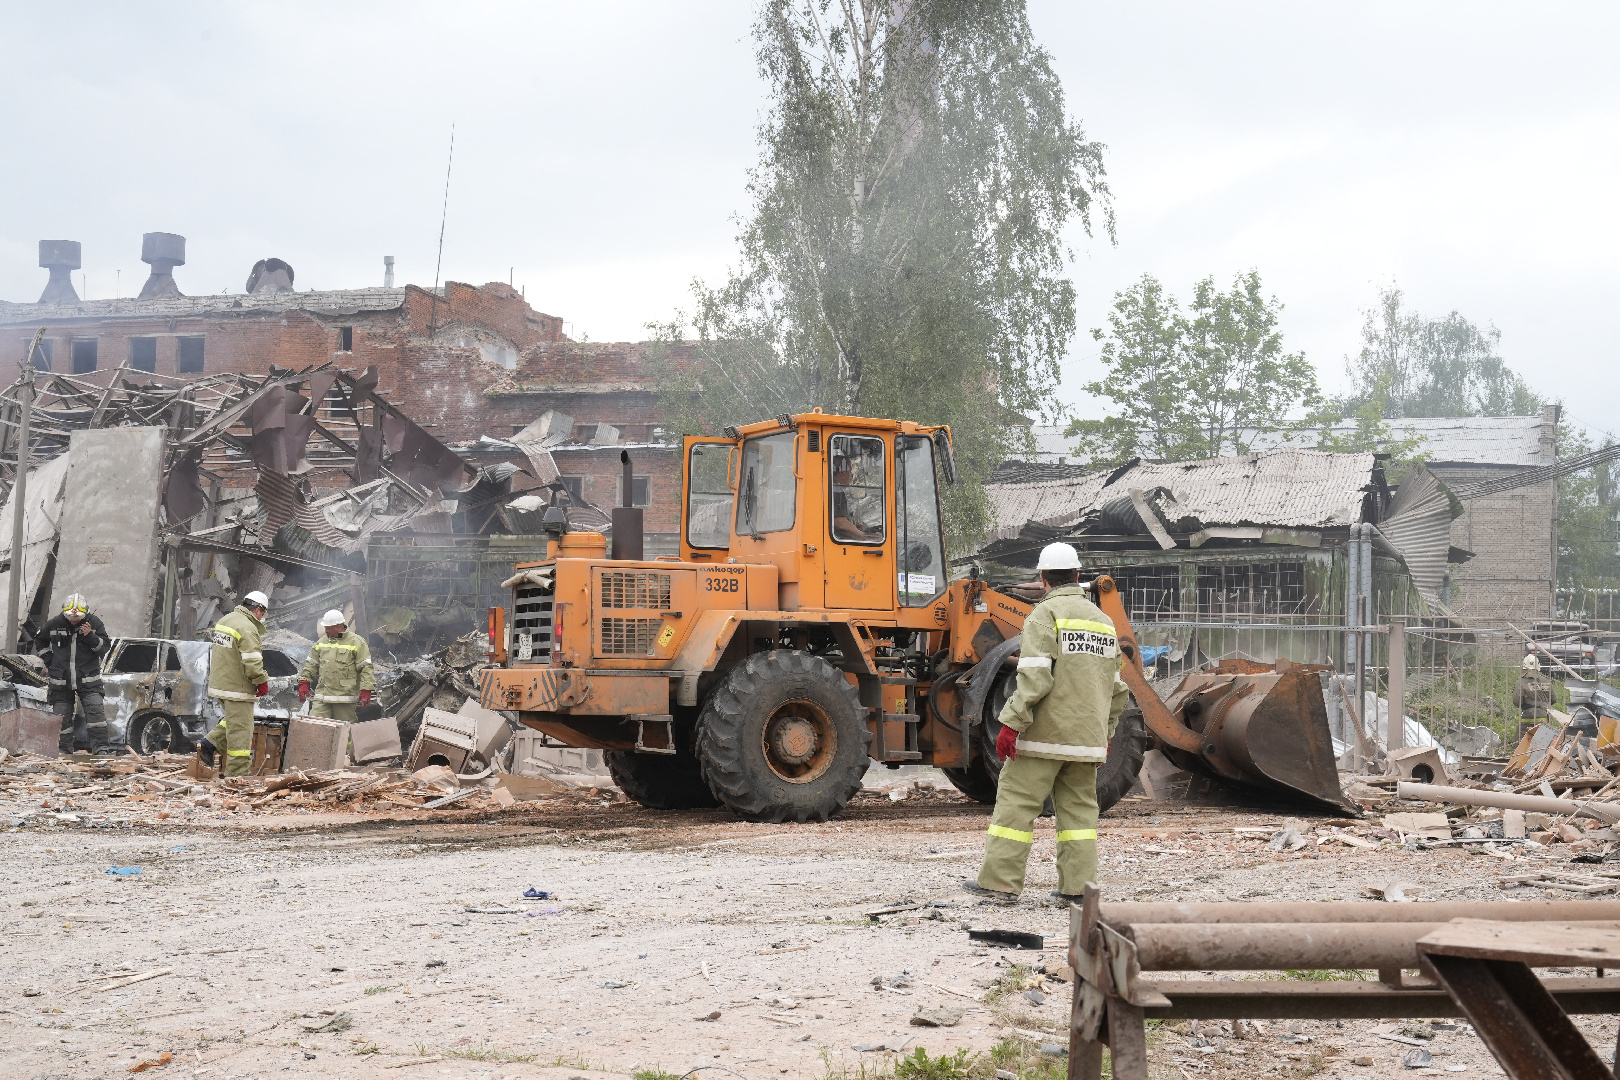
627,538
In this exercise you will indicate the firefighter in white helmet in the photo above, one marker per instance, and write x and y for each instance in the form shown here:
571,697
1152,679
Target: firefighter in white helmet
339,667
72,645
236,677
1054,733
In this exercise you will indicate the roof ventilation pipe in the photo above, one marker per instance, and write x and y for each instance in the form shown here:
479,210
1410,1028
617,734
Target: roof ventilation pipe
270,276
388,271
163,251
61,258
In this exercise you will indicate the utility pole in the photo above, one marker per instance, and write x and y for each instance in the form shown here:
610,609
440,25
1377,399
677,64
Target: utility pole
19,489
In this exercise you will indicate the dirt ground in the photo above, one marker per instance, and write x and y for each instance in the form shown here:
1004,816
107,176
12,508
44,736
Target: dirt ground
672,941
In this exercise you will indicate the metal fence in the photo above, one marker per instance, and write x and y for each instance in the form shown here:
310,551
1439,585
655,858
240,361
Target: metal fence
1465,685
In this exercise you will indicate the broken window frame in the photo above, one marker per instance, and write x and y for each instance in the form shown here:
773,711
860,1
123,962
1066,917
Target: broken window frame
345,339
575,486
640,490
181,360
147,344
1252,587
78,350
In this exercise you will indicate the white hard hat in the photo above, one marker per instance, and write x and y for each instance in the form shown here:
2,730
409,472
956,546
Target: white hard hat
1059,556
333,618
257,598
76,604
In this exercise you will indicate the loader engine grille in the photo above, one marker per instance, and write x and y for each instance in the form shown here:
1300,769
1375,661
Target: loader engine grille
630,637
531,622
635,590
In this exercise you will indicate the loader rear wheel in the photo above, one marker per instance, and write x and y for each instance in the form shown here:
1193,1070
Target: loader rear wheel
660,781
783,738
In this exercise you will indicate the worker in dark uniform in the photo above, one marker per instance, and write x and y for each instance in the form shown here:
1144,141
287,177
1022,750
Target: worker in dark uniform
74,642
1054,734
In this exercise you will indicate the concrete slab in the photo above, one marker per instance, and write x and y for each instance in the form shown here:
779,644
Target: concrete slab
109,543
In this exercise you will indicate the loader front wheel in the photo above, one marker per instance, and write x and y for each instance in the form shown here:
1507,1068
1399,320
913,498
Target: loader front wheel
783,738
660,781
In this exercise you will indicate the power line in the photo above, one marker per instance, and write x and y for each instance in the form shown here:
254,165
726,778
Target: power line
444,216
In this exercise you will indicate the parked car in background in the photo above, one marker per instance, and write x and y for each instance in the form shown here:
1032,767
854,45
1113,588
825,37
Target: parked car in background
157,699
1574,643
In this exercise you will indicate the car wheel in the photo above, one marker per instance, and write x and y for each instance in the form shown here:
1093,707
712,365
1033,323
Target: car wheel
155,733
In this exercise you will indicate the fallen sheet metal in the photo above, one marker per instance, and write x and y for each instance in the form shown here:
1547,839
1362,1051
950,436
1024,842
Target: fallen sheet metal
40,516
109,544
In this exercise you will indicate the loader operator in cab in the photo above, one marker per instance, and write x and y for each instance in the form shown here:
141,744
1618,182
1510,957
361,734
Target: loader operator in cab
1054,734
849,523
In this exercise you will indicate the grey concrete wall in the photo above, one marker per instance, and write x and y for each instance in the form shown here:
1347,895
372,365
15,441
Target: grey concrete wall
109,539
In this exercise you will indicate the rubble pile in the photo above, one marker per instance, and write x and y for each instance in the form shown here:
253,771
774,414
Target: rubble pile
130,790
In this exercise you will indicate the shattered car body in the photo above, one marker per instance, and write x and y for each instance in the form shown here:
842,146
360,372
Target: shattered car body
156,693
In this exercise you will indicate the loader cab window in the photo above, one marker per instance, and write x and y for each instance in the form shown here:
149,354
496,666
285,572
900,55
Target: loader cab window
858,511
921,555
708,496
766,487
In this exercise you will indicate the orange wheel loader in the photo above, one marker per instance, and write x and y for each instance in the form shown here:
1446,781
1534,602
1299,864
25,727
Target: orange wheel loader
809,627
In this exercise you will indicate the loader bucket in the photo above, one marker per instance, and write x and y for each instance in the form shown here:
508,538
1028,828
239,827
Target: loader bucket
1263,727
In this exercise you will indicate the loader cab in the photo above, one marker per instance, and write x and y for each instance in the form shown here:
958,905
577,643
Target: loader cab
847,508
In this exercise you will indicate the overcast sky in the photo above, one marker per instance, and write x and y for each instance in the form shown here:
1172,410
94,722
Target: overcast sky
1468,151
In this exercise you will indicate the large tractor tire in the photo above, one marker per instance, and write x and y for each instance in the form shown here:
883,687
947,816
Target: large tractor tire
784,738
660,781
1115,778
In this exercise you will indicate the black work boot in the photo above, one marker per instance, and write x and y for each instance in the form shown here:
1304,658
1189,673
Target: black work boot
205,751
989,894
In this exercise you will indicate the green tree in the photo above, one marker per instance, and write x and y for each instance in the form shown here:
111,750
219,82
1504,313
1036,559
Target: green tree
903,256
1432,367
1588,551
1372,433
1199,384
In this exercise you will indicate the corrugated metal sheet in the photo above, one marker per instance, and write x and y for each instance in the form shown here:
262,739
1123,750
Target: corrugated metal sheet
1286,488
1472,440
1418,524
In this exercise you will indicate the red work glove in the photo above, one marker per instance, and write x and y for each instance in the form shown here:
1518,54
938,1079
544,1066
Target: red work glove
365,697
1007,744
303,689
262,689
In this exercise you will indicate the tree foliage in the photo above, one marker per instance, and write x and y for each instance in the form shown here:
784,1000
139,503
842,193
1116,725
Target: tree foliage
903,256
1197,384
1432,367
1588,500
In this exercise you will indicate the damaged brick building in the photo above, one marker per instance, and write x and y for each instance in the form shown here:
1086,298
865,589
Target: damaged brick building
473,365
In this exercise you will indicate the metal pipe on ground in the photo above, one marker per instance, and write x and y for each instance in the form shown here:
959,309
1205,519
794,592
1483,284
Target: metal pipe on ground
1129,913
1379,946
1606,812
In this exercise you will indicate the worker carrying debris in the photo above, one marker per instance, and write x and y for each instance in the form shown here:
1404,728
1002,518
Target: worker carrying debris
341,670
74,641
1055,731
236,676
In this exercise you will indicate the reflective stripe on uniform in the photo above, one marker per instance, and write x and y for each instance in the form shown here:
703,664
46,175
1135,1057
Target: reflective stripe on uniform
337,645
1012,834
239,753
1085,624
221,626
336,699
230,695
1076,834
1044,662
253,656
366,661
1064,750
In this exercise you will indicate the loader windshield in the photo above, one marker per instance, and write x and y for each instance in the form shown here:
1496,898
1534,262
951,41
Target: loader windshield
766,487
921,553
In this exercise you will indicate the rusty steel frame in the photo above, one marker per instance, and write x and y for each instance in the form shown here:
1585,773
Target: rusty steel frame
1526,1028
1113,945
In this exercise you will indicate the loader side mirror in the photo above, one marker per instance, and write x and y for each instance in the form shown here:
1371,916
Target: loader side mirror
947,457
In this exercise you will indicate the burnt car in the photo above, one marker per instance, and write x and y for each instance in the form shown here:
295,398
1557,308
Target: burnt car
1570,641
157,699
